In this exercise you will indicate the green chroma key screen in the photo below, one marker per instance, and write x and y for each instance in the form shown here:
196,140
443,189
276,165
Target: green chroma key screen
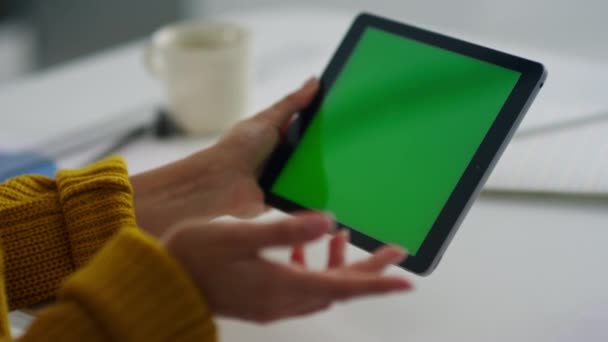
394,135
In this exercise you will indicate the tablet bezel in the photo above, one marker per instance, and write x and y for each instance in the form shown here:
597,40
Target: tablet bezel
532,77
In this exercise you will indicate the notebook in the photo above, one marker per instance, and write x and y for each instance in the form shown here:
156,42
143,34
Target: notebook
568,158
562,145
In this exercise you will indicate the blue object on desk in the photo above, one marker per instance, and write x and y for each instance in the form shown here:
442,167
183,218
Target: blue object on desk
15,164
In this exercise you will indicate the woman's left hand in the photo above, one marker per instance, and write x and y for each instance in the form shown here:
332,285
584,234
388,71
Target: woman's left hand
220,180
226,261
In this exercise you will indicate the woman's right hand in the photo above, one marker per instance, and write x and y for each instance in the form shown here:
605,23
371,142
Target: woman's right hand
224,260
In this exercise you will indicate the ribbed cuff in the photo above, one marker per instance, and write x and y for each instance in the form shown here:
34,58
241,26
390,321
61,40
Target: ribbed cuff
137,292
36,253
96,202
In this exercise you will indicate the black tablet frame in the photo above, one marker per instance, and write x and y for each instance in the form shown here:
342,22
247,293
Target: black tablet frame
531,80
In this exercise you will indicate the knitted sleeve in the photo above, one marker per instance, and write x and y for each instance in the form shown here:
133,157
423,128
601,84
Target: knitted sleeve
132,290
50,228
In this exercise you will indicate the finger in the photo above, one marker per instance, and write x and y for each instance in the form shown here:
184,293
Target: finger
337,249
257,137
345,285
292,231
286,125
295,308
298,256
382,258
310,308
281,112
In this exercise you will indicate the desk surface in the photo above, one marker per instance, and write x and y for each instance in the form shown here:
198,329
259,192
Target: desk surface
520,268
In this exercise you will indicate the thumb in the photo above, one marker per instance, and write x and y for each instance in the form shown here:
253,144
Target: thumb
292,231
258,136
279,114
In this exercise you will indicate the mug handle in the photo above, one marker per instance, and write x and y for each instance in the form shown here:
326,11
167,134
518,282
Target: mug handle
152,60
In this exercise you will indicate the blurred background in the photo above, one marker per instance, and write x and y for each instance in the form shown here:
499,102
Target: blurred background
37,34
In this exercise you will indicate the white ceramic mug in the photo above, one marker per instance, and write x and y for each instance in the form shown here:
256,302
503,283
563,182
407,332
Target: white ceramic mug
205,67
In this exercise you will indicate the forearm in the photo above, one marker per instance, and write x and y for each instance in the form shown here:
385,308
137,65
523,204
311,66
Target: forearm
159,194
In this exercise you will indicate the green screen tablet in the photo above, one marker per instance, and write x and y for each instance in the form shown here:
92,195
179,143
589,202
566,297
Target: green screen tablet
407,120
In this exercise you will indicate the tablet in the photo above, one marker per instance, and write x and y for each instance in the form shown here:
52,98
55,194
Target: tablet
399,140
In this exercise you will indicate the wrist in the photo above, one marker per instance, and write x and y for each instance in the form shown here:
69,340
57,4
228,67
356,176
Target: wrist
161,195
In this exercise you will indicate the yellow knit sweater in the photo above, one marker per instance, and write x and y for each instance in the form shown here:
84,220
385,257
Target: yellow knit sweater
74,240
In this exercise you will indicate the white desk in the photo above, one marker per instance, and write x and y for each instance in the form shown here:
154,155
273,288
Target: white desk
521,268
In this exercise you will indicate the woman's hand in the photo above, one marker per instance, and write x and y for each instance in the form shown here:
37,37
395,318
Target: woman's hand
221,180
225,262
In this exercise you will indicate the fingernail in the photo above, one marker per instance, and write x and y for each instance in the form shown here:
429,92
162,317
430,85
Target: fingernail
333,229
399,259
330,215
400,250
319,223
405,285
346,234
400,255
309,82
